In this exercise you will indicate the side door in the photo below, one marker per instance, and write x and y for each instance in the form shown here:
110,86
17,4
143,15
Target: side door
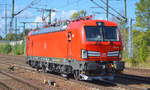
69,46
72,45
29,47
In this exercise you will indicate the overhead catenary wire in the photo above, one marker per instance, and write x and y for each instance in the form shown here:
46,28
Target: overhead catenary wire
113,9
63,6
69,4
49,11
105,9
15,14
31,4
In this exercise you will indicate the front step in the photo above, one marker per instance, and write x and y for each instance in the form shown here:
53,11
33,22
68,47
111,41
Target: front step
85,77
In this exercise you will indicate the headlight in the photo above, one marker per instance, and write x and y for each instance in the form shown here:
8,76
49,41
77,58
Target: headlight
84,54
113,54
93,53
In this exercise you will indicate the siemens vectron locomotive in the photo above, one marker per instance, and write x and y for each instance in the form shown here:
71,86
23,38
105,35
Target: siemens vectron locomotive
86,49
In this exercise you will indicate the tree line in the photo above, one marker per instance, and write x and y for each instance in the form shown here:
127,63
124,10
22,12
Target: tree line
141,34
14,36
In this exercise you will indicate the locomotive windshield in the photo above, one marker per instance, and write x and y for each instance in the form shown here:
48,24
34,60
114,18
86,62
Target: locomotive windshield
101,33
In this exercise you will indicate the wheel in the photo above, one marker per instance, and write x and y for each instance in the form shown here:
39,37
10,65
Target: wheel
76,75
119,71
32,64
38,68
44,69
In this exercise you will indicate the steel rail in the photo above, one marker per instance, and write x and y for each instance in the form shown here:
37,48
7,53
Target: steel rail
6,86
138,69
91,84
137,78
21,80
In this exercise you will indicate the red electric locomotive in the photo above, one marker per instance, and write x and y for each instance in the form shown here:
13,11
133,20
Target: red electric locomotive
88,49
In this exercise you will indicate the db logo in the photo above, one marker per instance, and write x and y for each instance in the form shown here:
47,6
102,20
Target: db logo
103,54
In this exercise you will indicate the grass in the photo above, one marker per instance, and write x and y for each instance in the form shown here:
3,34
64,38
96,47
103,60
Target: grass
11,50
130,63
18,49
5,48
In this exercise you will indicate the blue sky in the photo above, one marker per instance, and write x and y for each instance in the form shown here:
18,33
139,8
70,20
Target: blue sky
64,9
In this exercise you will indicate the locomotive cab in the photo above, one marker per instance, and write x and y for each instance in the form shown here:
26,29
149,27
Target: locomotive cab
100,49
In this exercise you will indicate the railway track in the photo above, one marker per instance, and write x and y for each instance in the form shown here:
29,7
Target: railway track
12,82
133,77
137,71
21,59
88,84
4,86
102,85
142,83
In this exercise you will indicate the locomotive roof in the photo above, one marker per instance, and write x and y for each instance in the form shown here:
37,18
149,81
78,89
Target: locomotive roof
72,24
93,23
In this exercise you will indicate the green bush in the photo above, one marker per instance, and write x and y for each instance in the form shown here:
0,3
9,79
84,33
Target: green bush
140,48
5,48
18,49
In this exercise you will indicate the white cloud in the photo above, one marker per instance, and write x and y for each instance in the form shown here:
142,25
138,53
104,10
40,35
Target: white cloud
2,25
53,15
101,18
60,14
38,19
67,14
